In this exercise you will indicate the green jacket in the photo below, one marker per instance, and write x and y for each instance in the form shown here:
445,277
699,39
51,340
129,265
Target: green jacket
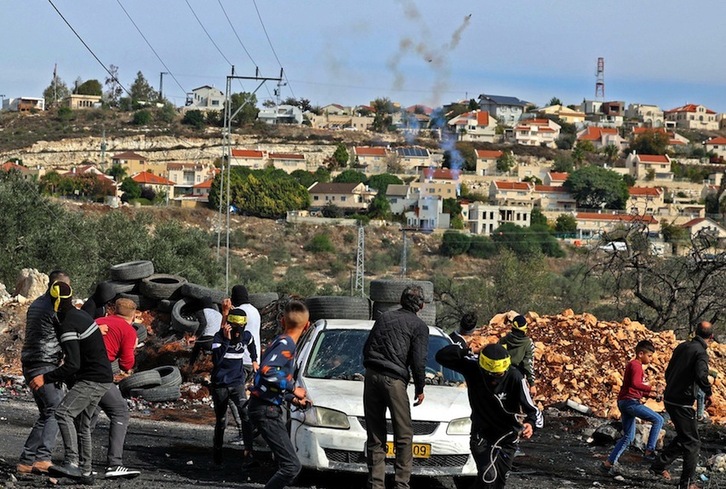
521,351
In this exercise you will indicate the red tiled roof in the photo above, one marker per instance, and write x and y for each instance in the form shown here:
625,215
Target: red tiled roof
558,176
441,174
286,156
693,222
644,130
549,188
247,153
594,216
204,184
9,165
146,177
482,118
512,185
653,158
595,133
489,154
718,140
128,155
369,151
688,108
644,191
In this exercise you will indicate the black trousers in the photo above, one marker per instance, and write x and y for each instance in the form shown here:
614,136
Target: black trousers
268,419
493,463
686,444
221,396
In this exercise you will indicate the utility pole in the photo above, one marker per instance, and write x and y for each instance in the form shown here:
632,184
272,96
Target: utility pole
360,262
404,253
161,85
103,149
227,154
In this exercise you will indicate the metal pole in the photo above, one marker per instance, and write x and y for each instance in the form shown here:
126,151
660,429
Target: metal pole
404,255
161,85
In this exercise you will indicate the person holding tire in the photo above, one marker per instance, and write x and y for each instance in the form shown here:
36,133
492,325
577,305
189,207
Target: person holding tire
228,379
397,342
120,339
274,386
210,322
41,354
96,305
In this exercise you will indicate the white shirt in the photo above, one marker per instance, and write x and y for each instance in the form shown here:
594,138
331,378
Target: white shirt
214,321
254,323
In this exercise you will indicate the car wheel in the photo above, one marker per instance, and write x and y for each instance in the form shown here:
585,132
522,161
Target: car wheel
386,290
338,307
182,317
132,270
162,393
194,291
161,285
147,378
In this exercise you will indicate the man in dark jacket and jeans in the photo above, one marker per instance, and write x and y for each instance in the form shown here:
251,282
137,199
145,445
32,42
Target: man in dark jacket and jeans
397,342
42,353
687,369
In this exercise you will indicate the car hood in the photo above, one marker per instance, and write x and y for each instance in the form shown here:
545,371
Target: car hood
442,403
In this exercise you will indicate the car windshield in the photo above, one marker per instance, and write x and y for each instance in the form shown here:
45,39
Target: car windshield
338,354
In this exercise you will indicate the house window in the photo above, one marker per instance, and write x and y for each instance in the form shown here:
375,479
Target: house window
342,199
315,197
425,207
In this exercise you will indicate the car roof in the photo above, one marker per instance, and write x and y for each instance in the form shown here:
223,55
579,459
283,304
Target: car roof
360,324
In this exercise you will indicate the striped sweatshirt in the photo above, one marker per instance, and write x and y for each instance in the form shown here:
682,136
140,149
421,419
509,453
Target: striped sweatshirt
227,357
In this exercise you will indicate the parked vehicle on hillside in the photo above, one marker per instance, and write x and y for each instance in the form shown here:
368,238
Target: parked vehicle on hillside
331,435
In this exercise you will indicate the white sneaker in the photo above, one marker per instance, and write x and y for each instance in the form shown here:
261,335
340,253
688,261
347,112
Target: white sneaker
121,472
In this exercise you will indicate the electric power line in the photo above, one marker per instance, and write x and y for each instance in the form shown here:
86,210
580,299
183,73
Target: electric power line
264,29
88,47
151,47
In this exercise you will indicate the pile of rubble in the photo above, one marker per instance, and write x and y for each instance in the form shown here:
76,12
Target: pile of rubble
582,360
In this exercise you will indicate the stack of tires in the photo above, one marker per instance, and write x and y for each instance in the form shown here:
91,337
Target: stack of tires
338,307
160,384
386,295
137,281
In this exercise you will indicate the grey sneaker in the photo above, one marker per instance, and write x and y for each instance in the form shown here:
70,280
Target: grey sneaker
66,470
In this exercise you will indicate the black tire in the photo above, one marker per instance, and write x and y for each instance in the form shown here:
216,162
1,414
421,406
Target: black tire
380,307
115,368
165,306
119,287
148,378
262,299
170,375
141,332
161,285
132,270
385,290
182,317
194,291
428,314
142,302
338,307
162,393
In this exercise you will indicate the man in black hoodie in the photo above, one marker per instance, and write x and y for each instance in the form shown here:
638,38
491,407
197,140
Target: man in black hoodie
398,341
86,367
687,369
497,393
521,350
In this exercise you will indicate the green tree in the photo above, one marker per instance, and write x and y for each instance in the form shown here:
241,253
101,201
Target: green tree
130,188
194,118
320,243
596,187
506,162
141,117
566,224
673,233
117,171
452,207
141,91
350,176
90,87
651,142
332,211
611,152
454,243
554,101
382,120
380,207
322,174
248,112
166,114
629,180
537,217
304,178
341,155
381,182
55,92
482,247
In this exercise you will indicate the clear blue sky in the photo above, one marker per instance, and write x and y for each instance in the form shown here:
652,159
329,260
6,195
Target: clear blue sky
664,52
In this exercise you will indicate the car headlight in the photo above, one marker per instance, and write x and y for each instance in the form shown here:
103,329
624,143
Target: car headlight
326,418
459,426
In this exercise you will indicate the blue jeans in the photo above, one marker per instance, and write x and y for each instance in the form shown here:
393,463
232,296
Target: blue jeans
630,409
41,441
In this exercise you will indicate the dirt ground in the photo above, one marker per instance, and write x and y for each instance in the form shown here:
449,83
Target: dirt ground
171,454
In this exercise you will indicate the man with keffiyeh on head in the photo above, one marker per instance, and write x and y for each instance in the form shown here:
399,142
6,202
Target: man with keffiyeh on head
87,371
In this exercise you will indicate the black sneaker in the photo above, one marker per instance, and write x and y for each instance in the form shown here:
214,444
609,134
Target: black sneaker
65,470
649,456
217,455
87,479
121,472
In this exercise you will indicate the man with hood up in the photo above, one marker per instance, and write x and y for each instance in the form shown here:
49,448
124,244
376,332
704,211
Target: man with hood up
498,394
95,306
521,350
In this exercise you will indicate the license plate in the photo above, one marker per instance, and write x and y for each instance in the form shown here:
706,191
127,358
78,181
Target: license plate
420,450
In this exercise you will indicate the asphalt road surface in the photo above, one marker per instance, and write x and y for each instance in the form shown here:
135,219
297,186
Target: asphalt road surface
177,455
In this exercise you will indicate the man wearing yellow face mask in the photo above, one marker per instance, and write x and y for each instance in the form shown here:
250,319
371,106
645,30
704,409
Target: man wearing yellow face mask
87,371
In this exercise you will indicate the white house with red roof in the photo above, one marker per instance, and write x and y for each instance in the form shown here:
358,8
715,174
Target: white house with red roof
201,190
249,158
705,225
438,181
555,178
24,171
411,158
553,198
155,182
371,159
476,125
537,132
602,136
511,193
655,168
428,213
716,146
593,224
186,175
485,218
645,200
693,116
288,162
486,161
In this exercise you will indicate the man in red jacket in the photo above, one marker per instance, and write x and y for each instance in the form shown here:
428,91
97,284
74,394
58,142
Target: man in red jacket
120,340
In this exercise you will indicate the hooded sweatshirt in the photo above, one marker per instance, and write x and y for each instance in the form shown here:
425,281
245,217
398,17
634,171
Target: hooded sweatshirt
521,351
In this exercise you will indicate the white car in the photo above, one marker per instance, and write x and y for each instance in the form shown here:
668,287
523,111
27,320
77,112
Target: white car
331,435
